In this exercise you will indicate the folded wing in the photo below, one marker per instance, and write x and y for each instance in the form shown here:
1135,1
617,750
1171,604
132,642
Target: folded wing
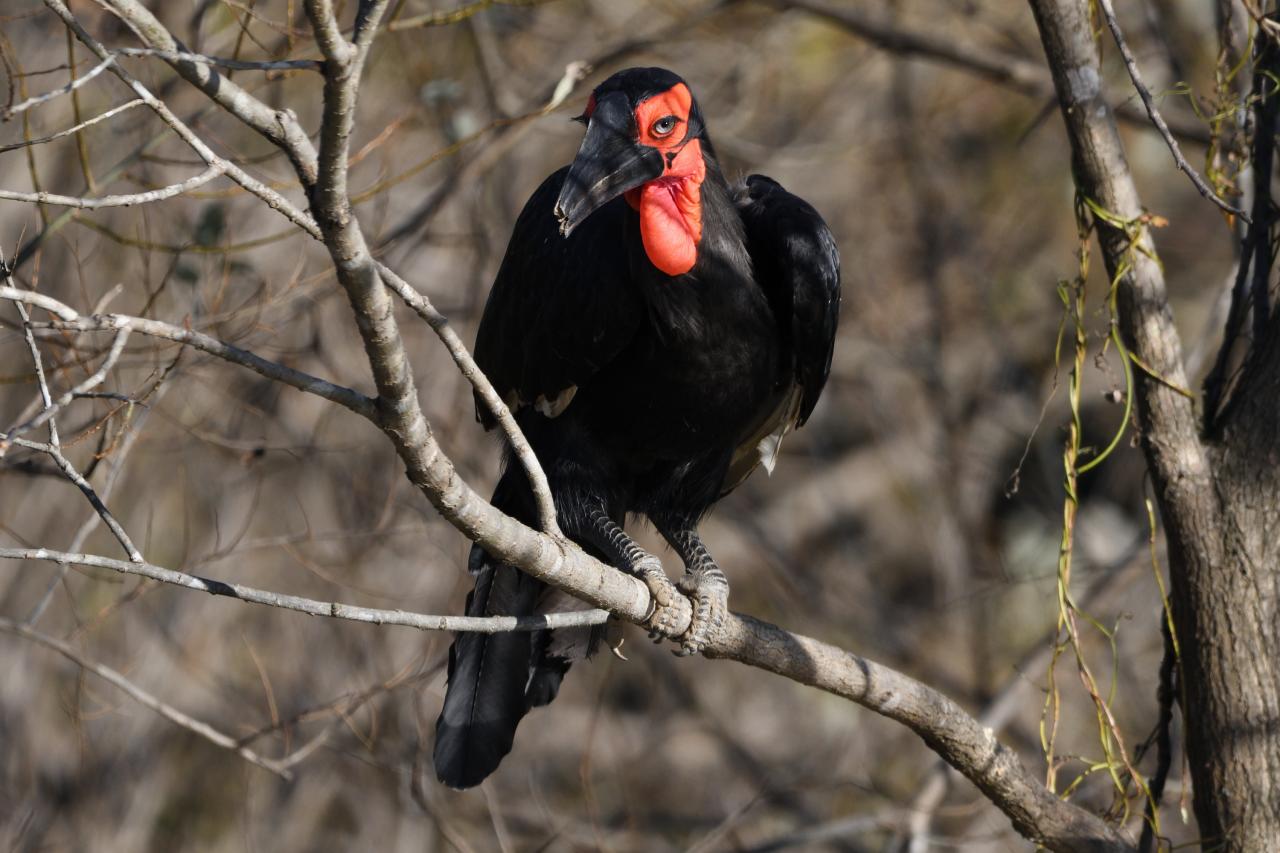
797,263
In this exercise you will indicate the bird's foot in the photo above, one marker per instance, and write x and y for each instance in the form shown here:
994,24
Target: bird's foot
710,594
663,594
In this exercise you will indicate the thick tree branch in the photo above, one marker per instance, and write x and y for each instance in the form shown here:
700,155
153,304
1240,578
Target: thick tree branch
962,741
1102,174
324,23
497,407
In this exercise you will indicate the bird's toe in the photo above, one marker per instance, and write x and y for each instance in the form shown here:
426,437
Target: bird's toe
663,595
711,603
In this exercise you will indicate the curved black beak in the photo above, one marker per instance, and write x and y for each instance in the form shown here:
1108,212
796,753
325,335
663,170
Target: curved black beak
609,163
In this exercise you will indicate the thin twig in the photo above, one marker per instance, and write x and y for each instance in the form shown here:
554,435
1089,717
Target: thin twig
82,390
1145,94
1004,69
84,486
484,388
220,62
68,319
117,463
111,113
454,16
46,399
272,198
313,607
215,169
145,699
36,101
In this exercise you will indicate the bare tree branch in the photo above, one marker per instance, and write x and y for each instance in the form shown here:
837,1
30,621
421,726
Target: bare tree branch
962,741
329,36
1168,417
1158,120
280,127
1216,496
93,381
128,200
245,109
69,319
105,63
175,56
111,113
145,699
46,398
453,16
313,607
116,461
272,198
1012,71
497,407
1005,703
69,470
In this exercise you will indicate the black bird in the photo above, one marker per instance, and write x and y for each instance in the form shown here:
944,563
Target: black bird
657,332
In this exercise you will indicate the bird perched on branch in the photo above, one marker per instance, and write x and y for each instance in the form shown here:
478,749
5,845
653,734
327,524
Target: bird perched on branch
657,332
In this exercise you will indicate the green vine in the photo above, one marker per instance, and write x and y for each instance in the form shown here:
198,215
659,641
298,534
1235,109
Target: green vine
1115,761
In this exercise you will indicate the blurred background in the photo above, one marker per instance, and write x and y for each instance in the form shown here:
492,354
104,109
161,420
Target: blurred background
915,520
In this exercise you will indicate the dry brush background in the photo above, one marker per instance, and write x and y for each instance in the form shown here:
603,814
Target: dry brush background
888,527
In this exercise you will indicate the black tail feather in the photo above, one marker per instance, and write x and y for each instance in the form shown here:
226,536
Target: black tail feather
488,674
495,679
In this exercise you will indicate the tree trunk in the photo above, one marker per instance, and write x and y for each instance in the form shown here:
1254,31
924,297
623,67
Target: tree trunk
1227,614
1219,498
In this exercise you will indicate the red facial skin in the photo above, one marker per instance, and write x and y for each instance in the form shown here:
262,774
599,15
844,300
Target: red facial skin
670,206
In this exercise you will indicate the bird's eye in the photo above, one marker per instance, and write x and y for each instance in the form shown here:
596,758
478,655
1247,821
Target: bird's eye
664,126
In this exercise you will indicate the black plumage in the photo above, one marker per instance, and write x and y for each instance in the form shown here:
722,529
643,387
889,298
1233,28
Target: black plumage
641,391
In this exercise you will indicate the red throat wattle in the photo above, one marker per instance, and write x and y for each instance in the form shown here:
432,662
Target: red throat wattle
670,206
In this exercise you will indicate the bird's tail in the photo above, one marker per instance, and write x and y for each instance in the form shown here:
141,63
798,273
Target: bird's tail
495,679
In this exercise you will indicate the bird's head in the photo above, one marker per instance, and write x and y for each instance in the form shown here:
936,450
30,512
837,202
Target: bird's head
643,139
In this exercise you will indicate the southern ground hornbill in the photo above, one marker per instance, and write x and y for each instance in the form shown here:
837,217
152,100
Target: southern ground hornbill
657,331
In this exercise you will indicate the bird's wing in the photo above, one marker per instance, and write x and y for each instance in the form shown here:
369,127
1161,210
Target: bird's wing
560,309
797,263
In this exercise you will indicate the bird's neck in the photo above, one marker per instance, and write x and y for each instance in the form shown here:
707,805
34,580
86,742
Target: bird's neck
670,210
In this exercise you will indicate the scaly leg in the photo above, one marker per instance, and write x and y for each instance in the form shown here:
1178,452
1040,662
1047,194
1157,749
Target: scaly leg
703,581
620,549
